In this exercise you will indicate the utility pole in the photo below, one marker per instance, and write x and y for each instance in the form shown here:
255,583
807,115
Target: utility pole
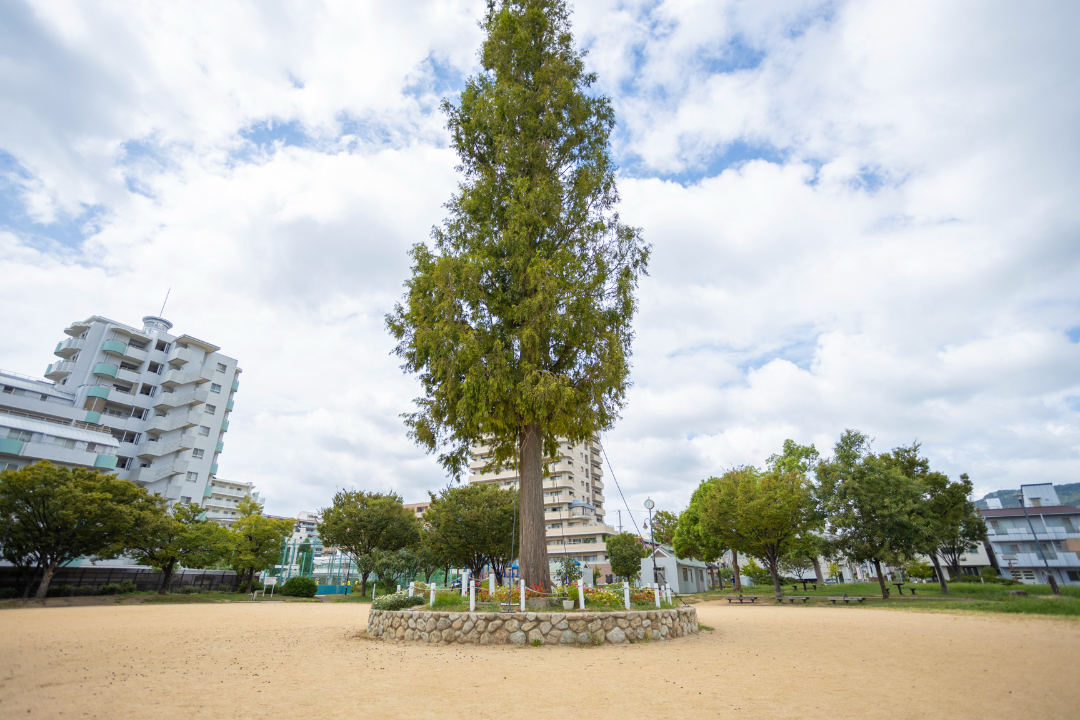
619,513
1049,575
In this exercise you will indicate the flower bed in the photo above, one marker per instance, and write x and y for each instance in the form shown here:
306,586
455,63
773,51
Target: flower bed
533,628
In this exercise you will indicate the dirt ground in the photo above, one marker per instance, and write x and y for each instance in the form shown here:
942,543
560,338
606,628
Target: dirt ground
308,660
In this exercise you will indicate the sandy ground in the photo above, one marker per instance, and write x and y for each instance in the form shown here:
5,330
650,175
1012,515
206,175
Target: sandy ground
306,660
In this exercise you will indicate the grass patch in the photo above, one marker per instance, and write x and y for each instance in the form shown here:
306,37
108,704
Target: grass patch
703,626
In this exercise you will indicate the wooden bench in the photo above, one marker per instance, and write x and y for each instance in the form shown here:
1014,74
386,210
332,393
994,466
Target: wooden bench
741,599
793,598
846,599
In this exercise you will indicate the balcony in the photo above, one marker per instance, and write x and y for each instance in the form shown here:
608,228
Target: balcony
226,492
105,462
225,425
213,469
220,447
128,376
229,405
165,424
59,370
153,474
180,356
175,378
114,347
98,391
76,329
159,448
235,385
175,400
67,348
106,370
11,447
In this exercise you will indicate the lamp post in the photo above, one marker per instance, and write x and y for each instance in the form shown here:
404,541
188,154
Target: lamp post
649,505
1049,575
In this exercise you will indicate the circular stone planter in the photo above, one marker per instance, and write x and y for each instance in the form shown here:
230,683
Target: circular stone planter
582,628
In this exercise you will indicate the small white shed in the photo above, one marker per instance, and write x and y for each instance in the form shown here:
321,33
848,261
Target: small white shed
682,574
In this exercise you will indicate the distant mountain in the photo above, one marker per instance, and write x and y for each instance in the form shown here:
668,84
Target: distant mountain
1068,494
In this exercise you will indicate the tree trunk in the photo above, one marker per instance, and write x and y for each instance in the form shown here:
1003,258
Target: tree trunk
363,583
533,554
776,581
817,571
940,573
46,578
736,581
167,573
881,580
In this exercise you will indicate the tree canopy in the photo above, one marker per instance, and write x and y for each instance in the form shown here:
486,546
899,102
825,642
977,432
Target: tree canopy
625,552
256,540
62,513
363,523
663,526
473,526
518,321
181,538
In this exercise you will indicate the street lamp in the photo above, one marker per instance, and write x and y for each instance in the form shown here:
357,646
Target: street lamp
1049,575
649,505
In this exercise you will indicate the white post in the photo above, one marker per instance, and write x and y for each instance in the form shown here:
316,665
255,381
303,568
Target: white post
626,595
432,594
399,588
491,583
669,594
464,590
412,587
581,593
472,596
656,593
521,588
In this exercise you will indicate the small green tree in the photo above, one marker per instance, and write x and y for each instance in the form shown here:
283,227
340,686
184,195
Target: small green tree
61,514
569,571
954,525
473,525
760,514
518,321
182,538
875,503
363,523
255,540
625,552
920,570
664,525
755,572
691,541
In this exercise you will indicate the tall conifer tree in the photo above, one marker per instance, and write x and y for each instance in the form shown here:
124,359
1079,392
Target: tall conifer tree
518,321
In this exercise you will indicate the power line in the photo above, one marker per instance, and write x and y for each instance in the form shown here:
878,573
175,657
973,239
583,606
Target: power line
628,512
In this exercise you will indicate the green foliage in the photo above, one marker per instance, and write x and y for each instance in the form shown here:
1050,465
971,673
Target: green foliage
62,513
256,540
473,526
518,321
954,526
625,552
760,514
366,523
397,601
569,571
875,503
298,587
182,538
920,570
690,539
757,574
122,588
664,524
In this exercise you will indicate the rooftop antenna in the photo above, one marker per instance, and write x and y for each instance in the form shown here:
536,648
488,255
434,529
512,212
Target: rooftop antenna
166,300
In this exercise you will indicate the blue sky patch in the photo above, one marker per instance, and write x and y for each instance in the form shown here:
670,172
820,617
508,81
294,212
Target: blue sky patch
67,231
1073,334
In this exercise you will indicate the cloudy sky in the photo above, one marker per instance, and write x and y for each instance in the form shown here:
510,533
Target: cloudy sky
863,215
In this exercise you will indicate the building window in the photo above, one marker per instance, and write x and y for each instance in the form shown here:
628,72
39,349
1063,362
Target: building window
148,390
197,453
192,476
1074,575
215,388
155,368
23,435
185,499
210,409
221,367
204,431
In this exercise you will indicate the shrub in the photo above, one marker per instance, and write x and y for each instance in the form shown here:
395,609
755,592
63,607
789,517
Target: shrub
189,589
8,593
397,601
299,587
84,590
60,591
128,587
109,589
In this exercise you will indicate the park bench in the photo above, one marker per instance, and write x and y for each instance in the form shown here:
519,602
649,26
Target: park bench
793,598
740,599
846,599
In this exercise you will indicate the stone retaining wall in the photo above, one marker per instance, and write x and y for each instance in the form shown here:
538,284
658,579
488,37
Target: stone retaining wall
588,628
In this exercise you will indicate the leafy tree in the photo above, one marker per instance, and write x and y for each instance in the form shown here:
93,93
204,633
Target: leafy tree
569,571
473,525
62,514
691,541
760,514
256,540
920,570
802,459
875,503
663,527
954,525
182,538
755,572
519,320
625,552
363,523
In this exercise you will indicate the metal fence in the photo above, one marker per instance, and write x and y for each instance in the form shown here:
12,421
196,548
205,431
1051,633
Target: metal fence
145,580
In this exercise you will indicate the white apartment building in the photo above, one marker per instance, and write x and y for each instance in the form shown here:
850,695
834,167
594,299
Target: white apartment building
148,404
225,496
1045,540
573,502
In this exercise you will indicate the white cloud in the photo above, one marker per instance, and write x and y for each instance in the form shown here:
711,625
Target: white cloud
902,258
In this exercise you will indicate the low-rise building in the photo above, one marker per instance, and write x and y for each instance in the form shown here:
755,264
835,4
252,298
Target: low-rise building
1045,540
683,575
